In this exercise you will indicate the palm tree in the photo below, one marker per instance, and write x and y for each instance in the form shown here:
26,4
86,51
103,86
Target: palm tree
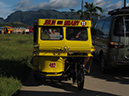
66,15
72,10
91,10
80,13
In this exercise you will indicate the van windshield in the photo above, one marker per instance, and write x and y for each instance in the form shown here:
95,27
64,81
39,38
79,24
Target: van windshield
76,33
121,26
51,33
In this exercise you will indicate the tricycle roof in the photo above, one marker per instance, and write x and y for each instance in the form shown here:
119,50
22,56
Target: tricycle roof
64,22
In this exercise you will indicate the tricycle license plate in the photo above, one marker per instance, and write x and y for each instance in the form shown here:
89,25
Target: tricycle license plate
52,65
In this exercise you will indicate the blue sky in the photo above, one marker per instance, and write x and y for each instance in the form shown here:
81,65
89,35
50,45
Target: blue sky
9,6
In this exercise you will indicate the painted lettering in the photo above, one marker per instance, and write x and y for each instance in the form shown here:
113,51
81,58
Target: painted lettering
53,22
67,23
72,23
52,65
50,22
60,22
47,22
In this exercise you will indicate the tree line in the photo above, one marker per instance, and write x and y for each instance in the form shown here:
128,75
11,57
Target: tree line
27,18
90,11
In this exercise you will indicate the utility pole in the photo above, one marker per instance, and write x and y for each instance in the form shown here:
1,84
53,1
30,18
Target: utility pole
82,9
124,3
82,6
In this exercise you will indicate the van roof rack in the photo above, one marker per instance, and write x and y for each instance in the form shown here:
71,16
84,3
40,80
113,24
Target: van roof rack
123,10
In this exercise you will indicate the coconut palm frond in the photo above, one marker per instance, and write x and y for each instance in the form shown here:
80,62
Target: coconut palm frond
91,9
79,12
99,8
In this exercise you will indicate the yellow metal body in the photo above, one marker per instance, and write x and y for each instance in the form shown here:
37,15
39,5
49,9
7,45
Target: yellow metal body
8,28
48,51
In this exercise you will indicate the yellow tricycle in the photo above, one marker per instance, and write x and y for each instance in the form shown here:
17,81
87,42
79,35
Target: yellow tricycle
62,49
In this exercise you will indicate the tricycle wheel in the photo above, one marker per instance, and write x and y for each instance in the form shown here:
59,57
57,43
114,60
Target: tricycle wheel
74,78
80,80
36,76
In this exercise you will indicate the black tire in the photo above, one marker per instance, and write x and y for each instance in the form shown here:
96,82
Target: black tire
104,64
36,76
80,80
74,77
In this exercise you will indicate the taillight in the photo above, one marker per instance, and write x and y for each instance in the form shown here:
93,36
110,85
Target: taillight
116,45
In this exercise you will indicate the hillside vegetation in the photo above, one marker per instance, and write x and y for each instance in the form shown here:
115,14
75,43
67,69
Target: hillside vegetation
29,17
15,56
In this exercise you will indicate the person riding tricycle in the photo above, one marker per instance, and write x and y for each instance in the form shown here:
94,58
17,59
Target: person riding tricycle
62,49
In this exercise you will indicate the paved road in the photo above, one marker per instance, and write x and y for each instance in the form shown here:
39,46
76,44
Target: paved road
116,83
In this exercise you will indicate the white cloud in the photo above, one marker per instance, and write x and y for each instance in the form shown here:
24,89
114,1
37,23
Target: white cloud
5,10
101,3
52,4
107,6
117,5
113,6
22,5
25,5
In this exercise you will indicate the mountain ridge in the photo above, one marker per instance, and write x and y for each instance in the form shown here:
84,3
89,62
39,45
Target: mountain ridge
29,17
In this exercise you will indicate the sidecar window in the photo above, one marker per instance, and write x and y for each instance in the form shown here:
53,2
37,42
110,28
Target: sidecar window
76,33
51,33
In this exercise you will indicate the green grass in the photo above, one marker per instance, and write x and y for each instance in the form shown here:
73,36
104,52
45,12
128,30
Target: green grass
11,85
15,55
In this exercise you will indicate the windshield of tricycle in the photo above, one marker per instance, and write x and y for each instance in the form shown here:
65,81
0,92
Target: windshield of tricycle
76,33
56,33
51,33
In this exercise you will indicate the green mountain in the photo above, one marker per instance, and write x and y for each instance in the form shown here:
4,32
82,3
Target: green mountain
29,17
15,24
1,21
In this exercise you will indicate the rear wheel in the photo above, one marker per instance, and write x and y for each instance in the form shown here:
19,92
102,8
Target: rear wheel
104,64
74,78
80,80
36,75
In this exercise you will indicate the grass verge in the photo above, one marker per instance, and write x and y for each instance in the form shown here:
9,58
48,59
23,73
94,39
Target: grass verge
15,56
